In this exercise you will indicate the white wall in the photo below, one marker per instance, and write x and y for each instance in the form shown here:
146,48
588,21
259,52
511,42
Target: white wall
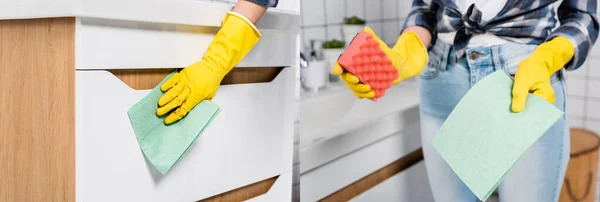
583,94
322,19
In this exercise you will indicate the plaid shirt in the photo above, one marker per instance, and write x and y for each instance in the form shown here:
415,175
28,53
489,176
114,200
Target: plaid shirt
520,21
269,3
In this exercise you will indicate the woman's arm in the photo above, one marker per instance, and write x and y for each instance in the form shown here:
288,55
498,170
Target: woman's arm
199,81
423,34
422,20
579,24
250,10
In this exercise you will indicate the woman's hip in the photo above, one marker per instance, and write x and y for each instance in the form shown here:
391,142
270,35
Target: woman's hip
445,80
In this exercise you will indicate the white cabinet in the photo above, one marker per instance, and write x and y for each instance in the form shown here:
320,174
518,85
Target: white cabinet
85,54
250,140
339,131
407,186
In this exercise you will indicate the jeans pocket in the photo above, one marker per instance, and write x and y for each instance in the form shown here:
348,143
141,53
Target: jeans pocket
434,58
431,70
512,59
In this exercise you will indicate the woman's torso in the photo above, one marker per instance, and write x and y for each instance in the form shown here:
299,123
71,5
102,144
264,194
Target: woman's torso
489,9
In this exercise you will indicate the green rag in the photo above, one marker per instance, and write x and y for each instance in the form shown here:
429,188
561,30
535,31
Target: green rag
482,138
164,145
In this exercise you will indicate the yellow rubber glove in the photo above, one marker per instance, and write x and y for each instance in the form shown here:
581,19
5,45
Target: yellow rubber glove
409,56
412,56
200,81
533,73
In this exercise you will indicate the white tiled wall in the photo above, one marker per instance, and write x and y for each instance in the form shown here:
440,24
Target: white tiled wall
583,94
323,19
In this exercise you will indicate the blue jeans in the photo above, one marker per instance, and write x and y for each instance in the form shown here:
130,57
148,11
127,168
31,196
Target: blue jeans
538,175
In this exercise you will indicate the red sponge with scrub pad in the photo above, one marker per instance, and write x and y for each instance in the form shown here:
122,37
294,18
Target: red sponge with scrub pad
365,59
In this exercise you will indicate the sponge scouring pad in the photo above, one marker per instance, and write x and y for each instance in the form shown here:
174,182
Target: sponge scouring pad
365,59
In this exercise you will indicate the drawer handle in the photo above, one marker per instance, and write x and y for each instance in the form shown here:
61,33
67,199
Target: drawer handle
144,79
244,193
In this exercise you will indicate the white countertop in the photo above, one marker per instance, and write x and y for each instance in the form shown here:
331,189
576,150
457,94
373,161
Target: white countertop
186,12
158,31
335,111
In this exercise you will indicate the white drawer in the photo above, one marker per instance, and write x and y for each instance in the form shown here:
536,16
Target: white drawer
250,140
328,178
407,186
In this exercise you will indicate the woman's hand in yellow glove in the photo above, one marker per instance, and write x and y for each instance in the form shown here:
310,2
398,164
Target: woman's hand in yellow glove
186,89
533,74
532,77
409,57
200,80
360,90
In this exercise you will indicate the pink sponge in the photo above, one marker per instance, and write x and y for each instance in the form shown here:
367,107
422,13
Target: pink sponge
365,59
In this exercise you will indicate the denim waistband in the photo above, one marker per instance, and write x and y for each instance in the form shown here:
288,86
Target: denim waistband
506,57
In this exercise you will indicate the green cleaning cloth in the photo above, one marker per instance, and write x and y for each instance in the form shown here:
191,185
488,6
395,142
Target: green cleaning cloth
164,145
482,138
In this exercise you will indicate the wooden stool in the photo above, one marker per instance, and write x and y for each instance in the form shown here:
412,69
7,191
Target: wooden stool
580,180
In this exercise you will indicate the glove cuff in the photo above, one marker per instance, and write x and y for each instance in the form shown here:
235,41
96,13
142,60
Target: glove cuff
555,53
411,47
237,15
410,38
230,45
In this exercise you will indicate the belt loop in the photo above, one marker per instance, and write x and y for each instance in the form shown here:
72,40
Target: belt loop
496,58
445,56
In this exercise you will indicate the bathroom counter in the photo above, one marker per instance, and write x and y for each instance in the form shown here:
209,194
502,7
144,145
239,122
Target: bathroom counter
338,131
335,111
72,68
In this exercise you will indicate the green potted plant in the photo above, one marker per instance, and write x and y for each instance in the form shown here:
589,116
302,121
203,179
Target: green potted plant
352,26
332,50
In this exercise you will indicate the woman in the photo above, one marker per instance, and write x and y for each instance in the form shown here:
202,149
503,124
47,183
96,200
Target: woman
455,44
200,80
